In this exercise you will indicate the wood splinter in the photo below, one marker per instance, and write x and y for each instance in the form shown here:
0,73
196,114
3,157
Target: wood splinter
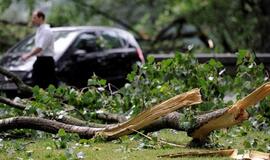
229,116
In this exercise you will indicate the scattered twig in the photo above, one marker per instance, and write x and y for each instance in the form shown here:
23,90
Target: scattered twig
222,153
159,140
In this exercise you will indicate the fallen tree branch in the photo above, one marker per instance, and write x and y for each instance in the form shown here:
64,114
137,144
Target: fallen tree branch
171,120
149,116
162,116
110,132
11,103
45,125
158,117
64,119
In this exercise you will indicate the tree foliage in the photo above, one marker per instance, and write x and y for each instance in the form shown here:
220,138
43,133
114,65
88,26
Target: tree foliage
169,25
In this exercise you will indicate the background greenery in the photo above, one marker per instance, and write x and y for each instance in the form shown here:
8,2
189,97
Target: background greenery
160,26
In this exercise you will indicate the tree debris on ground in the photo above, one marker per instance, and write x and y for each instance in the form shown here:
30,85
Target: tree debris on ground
155,118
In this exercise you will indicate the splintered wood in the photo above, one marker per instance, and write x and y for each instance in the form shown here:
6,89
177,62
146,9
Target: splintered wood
234,115
150,115
219,153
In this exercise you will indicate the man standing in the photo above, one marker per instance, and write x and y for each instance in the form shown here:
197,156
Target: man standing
44,68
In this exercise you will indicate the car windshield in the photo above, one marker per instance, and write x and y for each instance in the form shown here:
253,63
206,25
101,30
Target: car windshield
61,41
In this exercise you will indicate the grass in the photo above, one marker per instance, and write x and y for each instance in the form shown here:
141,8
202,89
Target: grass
126,148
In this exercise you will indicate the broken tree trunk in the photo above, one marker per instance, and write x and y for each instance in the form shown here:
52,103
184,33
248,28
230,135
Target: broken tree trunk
149,116
110,117
229,116
111,132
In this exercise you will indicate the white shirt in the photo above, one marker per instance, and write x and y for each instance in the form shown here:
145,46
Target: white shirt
44,39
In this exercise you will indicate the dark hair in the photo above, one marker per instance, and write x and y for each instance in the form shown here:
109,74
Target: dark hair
40,14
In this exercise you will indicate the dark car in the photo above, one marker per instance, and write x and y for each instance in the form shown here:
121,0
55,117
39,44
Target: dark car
79,52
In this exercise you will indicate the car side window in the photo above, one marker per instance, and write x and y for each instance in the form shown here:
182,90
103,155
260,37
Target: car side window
109,40
88,43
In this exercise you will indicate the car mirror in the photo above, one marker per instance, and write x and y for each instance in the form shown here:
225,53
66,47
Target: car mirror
77,53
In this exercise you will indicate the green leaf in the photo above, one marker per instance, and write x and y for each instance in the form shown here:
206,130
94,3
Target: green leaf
166,63
131,76
51,89
102,82
212,62
61,132
241,55
247,144
150,59
92,82
36,90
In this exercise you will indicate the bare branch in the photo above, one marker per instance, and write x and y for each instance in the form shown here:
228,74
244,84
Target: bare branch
11,103
110,132
108,16
64,119
5,22
19,83
177,21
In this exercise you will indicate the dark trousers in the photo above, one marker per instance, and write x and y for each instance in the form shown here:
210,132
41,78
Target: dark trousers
44,72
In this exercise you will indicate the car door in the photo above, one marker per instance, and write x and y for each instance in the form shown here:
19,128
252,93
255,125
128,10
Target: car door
82,60
112,57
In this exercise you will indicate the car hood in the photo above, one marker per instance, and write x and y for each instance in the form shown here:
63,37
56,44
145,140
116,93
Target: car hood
15,63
